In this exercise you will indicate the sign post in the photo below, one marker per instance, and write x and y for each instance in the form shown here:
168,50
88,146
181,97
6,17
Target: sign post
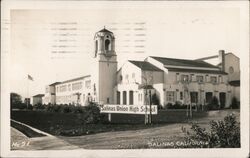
109,117
150,107
146,115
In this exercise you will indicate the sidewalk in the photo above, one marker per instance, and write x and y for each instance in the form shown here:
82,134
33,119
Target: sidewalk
21,142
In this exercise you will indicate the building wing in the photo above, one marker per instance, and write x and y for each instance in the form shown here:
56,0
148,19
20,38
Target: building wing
144,65
173,62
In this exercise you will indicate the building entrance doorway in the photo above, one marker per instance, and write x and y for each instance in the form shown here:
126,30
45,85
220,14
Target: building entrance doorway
222,96
209,96
194,97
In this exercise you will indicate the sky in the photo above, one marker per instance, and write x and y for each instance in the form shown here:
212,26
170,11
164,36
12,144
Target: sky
56,44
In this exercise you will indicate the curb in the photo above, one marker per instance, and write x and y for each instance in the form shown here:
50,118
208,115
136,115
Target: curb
34,129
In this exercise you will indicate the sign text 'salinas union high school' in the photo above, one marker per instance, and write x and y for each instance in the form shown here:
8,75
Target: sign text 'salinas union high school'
171,80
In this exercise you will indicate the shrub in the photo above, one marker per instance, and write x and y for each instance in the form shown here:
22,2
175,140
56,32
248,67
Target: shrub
168,106
19,106
223,134
30,107
89,114
92,114
49,108
177,105
39,106
66,109
78,109
235,104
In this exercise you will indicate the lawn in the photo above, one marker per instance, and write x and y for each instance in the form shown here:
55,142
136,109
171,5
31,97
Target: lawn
71,124
69,128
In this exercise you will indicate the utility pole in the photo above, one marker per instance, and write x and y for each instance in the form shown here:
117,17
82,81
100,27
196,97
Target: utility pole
150,108
146,115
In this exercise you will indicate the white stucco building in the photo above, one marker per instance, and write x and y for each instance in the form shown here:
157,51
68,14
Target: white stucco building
172,80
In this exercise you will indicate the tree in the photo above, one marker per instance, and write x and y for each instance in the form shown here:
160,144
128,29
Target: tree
16,101
155,100
222,134
15,98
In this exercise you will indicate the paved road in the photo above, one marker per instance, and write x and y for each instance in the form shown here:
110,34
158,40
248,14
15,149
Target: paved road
128,139
158,137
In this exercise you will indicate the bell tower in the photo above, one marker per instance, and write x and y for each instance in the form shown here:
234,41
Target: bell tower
104,67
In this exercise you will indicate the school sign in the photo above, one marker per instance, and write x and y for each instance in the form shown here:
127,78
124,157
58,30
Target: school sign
129,109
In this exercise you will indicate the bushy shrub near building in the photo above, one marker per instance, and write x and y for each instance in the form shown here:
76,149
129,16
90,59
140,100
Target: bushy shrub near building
92,114
222,134
39,106
177,105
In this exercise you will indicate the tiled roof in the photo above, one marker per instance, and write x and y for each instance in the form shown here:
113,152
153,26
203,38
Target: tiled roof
39,95
55,83
105,30
143,65
70,80
183,62
197,71
75,79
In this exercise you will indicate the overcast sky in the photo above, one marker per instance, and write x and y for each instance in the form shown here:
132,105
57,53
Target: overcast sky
55,45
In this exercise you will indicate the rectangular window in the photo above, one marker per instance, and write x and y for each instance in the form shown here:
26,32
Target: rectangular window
140,97
194,97
209,96
131,97
69,87
124,95
170,96
118,97
213,79
220,79
133,75
177,77
76,86
88,84
63,88
126,78
200,79
184,78
191,77
207,78
181,95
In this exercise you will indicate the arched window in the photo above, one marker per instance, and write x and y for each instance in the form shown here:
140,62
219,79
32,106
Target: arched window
231,70
107,45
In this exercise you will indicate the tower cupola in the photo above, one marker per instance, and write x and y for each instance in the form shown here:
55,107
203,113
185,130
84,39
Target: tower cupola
104,43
